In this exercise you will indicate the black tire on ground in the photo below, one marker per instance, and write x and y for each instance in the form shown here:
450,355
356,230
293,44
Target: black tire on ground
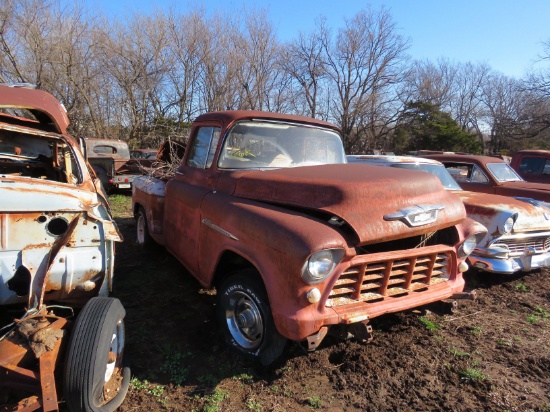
245,318
94,358
143,237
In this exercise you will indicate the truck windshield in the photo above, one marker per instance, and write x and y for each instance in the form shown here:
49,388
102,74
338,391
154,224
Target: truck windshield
268,145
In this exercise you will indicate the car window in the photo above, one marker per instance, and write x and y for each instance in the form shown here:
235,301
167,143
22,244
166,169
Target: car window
535,166
204,147
437,170
478,176
503,172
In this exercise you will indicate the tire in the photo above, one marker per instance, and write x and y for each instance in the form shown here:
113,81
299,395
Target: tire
245,318
143,237
94,357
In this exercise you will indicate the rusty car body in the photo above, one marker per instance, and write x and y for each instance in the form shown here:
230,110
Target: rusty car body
532,165
518,230
56,256
296,241
491,175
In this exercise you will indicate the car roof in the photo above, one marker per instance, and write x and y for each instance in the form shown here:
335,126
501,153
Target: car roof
228,117
464,158
49,113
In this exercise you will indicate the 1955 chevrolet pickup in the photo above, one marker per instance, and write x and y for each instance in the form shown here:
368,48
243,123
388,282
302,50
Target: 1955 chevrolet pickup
265,208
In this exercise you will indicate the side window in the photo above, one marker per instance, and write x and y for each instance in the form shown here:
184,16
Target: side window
534,165
478,176
204,147
546,170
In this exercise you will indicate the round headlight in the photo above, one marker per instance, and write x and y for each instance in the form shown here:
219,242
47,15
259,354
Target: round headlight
507,226
468,246
321,264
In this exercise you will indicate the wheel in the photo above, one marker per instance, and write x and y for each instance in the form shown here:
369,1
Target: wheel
143,236
245,318
94,379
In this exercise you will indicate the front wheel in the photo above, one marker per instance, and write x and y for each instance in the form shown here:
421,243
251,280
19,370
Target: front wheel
245,318
94,379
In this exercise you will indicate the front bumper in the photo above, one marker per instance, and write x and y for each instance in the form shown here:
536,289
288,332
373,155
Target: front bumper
494,260
373,285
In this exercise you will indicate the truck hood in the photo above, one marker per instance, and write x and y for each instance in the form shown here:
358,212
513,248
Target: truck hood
493,210
364,196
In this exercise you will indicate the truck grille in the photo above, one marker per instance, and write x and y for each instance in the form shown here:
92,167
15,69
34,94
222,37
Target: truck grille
376,279
517,246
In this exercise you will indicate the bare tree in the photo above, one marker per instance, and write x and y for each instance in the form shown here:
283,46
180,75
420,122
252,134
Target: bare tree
364,64
303,61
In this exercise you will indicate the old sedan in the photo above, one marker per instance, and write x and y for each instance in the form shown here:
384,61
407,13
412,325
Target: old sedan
518,237
491,175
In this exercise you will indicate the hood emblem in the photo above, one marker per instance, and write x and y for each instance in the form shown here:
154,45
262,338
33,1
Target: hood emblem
418,215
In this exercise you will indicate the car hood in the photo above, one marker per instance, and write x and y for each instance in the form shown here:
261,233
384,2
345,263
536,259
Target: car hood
493,210
361,195
23,195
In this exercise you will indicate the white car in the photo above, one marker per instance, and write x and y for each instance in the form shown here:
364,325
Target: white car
57,240
518,237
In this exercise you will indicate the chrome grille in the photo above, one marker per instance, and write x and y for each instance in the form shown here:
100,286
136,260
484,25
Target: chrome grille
518,246
379,279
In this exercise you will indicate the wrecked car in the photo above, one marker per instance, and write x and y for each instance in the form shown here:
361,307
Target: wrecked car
61,336
265,208
518,237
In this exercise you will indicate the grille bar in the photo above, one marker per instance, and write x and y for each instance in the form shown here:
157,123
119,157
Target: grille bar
378,279
539,243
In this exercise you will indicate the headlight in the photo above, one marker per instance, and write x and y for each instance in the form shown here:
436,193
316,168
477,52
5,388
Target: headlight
507,226
321,264
468,246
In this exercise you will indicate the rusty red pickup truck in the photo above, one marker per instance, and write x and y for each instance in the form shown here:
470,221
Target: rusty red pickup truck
265,208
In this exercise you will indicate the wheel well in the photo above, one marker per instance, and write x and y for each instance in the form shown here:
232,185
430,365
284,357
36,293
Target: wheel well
229,263
136,208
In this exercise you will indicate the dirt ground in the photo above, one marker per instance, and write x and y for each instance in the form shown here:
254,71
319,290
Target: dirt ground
492,354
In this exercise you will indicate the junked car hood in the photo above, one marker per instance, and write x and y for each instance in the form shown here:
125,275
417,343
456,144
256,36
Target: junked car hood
493,210
20,195
361,195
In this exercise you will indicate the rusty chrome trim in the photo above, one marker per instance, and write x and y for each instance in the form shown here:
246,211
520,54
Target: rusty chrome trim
218,229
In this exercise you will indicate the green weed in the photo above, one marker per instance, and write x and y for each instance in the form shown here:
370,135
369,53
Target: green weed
315,402
432,326
458,353
476,331
521,287
214,400
175,366
472,375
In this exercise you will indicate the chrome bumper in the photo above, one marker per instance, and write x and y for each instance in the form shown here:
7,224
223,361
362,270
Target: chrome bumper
494,260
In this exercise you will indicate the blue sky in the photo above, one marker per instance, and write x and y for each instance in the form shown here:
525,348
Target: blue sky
506,34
